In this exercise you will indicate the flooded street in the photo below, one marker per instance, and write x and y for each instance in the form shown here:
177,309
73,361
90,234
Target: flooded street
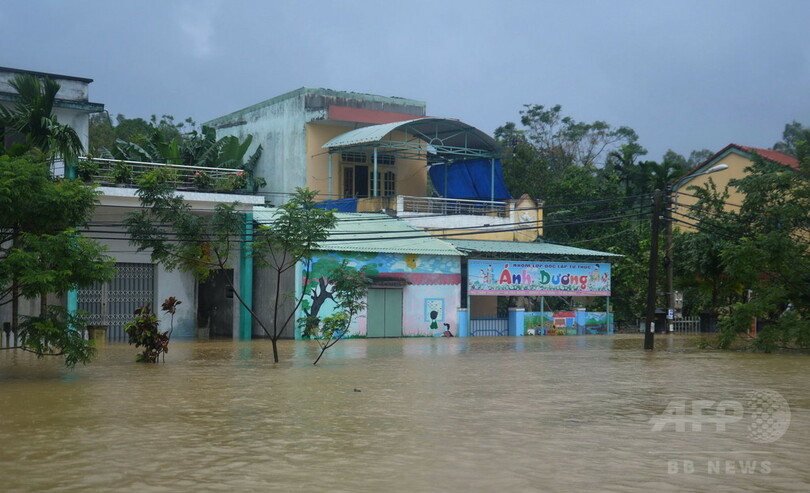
421,414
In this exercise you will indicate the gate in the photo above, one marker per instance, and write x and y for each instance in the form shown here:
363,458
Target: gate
487,327
113,303
686,325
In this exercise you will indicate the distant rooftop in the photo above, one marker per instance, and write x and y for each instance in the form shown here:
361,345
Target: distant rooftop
533,248
373,233
45,74
327,99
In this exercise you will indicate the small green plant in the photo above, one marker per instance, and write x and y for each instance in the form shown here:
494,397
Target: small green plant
121,173
157,176
144,332
258,182
237,181
87,169
202,180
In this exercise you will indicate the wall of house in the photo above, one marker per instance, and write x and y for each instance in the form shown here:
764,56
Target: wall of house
78,120
69,89
736,169
278,125
264,299
431,282
411,173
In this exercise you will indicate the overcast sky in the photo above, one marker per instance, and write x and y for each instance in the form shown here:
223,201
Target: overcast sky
685,75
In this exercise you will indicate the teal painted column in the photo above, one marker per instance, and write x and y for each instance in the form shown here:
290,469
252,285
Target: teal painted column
72,298
70,170
246,280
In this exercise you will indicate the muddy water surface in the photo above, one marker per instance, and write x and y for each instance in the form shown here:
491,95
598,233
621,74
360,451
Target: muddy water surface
480,414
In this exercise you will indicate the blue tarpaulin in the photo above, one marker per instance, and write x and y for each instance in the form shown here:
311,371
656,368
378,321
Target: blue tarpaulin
339,205
469,179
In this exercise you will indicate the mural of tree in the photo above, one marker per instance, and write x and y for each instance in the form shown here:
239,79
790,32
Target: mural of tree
319,287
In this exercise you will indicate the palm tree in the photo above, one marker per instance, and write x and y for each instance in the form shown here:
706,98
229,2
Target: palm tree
32,116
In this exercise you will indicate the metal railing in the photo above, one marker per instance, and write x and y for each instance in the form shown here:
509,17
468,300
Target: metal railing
441,205
489,327
687,325
127,173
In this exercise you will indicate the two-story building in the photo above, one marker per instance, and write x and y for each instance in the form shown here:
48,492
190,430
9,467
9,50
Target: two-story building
138,280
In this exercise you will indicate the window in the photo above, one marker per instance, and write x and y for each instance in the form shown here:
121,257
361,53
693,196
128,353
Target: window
353,157
386,159
357,175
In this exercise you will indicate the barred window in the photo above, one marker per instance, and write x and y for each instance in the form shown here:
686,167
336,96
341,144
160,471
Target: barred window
353,157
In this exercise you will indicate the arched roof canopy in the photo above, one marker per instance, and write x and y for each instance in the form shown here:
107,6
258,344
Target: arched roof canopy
434,139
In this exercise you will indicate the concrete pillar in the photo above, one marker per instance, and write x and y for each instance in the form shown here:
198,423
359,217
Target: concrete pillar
515,324
463,323
246,280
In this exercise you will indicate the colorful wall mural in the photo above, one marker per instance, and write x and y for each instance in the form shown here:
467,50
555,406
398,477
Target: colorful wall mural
430,285
504,278
567,323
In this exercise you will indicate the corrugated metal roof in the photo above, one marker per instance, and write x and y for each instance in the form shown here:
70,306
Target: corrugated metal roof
536,248
378,233
447,131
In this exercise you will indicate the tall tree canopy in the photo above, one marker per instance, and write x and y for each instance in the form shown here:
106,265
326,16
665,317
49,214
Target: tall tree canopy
42,252
33,119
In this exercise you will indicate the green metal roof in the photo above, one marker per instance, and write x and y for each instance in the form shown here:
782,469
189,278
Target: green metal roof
378,233
472,247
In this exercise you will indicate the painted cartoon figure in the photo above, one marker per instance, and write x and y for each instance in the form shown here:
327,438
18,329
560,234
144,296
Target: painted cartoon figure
433,324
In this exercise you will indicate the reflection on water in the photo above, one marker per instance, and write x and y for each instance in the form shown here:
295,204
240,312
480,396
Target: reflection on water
432,414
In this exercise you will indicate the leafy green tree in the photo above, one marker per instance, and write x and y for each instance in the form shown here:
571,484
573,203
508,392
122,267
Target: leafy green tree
756,260
32,117
771,260
349,291
41,251
793,135
203,243
548,144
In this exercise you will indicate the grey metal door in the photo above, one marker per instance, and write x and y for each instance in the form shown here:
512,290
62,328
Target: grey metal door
113,303
384,313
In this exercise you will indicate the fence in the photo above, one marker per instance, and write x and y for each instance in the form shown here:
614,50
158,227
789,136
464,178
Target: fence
487,327
444,206
101,170
687,325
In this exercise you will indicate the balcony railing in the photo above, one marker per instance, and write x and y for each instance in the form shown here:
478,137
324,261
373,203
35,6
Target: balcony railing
440,205
182,177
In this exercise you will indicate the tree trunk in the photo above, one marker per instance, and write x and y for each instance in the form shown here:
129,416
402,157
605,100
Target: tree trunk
275,349
15,304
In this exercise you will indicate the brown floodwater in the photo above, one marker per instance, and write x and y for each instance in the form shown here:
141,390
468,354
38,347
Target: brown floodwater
412,415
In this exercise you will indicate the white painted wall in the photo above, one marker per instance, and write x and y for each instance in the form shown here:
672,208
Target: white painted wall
279,127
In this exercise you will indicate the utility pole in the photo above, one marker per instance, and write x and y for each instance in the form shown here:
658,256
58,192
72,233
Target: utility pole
649,329
669,205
